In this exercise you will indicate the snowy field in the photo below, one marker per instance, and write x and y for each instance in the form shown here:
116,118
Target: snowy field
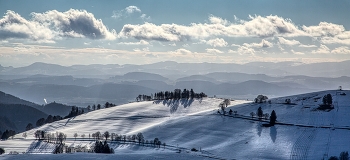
186,124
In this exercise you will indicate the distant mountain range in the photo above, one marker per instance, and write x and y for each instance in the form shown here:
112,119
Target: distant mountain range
83,85
170,68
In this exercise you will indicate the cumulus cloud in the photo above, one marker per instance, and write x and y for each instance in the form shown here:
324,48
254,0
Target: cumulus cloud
217,42
242,50
288,42
75,23
341,50
13,25
51,25
141,42
323,49
257,26
324,29
212,50
334,40
262,44
126,12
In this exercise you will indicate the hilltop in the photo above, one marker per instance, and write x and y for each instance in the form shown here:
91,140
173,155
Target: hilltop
302,131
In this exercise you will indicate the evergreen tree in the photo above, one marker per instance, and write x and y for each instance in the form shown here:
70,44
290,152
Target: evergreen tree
49,119
29,126
40,122
2,151
273,118
344,156
327,99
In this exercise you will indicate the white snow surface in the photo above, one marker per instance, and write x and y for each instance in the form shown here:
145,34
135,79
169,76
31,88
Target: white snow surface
311,134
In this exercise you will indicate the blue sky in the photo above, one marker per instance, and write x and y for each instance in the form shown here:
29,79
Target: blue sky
139,32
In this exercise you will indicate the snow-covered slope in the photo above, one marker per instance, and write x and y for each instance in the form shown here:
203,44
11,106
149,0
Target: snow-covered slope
304,133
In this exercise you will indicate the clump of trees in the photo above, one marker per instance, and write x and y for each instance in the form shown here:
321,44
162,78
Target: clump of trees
7,134
74,112
2,151
176,94
327,99
43,121
343,156
102,147
260,99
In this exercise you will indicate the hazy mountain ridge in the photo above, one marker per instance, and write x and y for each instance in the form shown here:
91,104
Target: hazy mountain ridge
324,69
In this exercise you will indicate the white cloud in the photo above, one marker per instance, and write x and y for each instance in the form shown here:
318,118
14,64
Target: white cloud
172,44
257,27
324,29
75,23
242,50
335,40
212,50
141,42
341,50
146,49
288,42
322,50
307,46
218,20
132,9
217,42
297,53
12,25
262,44
145,17
183,51
128,11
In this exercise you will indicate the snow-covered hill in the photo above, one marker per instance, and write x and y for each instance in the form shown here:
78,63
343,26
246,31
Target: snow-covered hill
302,132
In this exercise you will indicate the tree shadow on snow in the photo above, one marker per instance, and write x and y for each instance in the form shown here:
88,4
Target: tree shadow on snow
259,129
273,133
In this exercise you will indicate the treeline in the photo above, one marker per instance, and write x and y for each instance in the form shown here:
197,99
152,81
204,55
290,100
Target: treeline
98,106
43,121
176,94
75,111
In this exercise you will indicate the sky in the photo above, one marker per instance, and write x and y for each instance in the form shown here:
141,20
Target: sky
141,32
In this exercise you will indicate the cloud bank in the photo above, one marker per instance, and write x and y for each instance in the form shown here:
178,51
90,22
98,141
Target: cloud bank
52,25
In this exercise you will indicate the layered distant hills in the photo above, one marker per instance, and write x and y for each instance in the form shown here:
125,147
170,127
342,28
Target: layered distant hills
84,85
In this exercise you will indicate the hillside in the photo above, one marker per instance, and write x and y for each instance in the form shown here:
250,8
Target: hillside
20,115
301,131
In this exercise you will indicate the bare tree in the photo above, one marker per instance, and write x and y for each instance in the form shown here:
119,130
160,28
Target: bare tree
252,114
227,102
25,135
106,135
140,137
75,136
